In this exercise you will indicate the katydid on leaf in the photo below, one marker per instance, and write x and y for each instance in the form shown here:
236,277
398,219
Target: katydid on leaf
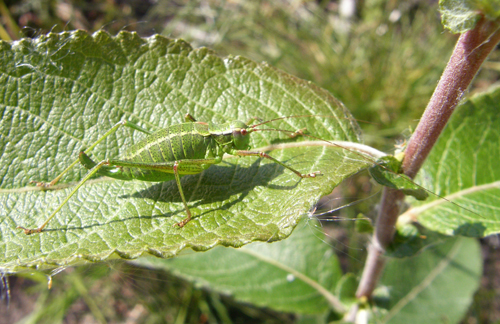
169,154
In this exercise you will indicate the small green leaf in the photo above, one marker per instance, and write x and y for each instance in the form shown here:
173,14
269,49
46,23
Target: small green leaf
460,16
61,92
386,172
463,168
297,275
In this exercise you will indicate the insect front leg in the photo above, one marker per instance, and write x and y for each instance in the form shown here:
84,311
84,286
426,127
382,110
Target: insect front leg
109,132
267,156
181,192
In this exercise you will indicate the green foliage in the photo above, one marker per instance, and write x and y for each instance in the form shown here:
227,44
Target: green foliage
383,70
63,91
301,275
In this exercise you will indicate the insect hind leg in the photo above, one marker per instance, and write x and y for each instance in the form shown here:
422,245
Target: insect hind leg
109,132
93,171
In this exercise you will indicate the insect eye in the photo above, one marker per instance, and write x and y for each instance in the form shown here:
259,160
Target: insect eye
243,132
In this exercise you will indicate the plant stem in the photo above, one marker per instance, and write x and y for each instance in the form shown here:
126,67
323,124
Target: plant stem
472,48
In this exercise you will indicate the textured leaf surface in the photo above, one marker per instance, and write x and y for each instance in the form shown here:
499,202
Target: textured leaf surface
464,168
437,286
296,275
460,16
63,91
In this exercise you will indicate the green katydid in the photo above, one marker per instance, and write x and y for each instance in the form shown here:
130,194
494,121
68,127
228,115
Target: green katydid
169,154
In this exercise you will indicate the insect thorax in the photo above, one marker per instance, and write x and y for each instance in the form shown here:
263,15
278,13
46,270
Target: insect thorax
229,135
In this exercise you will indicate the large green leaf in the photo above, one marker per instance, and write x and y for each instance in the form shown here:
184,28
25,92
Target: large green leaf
297,275
60,92
463,167
437,286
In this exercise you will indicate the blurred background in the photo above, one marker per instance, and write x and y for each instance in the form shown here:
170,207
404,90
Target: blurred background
382,59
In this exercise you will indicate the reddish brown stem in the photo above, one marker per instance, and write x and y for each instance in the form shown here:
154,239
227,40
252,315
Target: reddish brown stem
472,48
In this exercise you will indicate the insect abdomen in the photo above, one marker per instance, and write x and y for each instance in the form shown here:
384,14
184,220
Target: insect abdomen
177,142
152,159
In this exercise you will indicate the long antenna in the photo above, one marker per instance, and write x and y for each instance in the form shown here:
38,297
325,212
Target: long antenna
303,116
366,158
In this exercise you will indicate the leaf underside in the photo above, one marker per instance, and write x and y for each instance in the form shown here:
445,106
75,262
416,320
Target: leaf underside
297,275
441,281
